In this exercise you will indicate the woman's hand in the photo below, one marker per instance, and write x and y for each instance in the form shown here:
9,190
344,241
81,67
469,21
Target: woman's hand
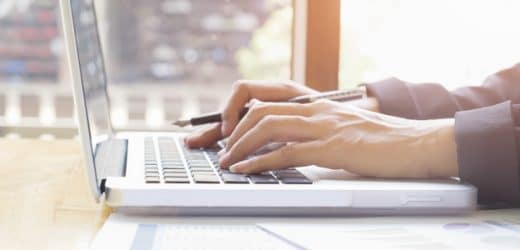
243,92
341,136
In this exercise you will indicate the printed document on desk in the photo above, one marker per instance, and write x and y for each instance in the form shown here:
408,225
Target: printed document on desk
498,229
168,233
493,229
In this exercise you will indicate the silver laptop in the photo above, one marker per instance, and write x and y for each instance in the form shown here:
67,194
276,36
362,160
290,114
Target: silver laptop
156,173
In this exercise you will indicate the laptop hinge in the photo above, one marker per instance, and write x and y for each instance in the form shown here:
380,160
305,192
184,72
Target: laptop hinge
102,186
110,160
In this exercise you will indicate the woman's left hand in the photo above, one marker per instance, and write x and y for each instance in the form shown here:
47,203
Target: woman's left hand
340,136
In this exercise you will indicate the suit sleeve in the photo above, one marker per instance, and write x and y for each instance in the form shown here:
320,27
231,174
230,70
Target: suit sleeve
487,126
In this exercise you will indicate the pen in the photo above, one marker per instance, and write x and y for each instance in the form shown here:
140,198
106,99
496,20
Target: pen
338,95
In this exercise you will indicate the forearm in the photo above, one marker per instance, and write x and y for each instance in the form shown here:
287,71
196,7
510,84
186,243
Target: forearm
434,143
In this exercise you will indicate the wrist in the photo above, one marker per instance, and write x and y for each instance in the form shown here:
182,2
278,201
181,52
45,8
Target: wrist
443,160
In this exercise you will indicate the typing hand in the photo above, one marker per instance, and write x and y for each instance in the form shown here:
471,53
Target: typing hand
243,92
341,137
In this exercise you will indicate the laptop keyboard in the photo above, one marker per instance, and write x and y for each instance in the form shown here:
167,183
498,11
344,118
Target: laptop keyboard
167,160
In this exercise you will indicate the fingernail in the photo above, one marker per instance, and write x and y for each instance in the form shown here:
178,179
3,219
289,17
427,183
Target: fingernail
186,141
234,169
221,152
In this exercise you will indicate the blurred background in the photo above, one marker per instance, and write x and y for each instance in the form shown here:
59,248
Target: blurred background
171,58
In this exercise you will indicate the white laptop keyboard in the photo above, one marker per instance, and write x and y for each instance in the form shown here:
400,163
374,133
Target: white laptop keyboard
167,160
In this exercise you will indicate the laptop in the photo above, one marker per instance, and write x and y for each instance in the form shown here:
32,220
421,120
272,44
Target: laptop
154,172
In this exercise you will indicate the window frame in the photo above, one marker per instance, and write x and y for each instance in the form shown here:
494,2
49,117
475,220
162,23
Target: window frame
316,43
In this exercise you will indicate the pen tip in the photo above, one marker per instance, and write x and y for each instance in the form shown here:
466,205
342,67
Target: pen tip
181,123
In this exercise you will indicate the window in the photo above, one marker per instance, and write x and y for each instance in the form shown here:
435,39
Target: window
198,41
451,42
29,41
188,53
30,69
171,58
165,58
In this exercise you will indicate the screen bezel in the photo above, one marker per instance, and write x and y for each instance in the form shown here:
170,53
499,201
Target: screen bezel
88,144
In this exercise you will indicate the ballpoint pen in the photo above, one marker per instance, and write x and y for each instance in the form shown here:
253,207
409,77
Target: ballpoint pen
339,96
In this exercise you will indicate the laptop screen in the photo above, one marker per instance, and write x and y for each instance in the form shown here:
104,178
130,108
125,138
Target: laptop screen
92,69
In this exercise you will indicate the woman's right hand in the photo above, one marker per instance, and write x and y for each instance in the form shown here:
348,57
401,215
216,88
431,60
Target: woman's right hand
243,92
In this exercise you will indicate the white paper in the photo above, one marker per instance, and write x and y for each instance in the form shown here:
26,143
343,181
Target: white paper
488,230
226,237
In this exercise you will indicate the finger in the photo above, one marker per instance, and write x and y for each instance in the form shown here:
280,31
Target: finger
259,111
294,154
204,138
271,129
244,91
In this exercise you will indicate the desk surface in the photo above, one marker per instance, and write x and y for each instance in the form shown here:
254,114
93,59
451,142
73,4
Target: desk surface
45,202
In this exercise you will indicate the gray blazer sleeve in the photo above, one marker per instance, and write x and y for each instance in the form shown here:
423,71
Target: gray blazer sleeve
487,126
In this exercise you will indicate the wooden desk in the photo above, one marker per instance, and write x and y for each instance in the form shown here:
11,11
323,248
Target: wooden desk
45,201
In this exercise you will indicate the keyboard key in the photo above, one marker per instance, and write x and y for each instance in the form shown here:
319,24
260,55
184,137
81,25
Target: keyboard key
152,179
287,170
174,170
199,166
196,159
205,178
198,163
170,158
202,170
263,179
163,150
172,162
296,180
204,174
169,154
176,180
197,154
288,173
178,175
234,178
176,162
152,175
173,167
